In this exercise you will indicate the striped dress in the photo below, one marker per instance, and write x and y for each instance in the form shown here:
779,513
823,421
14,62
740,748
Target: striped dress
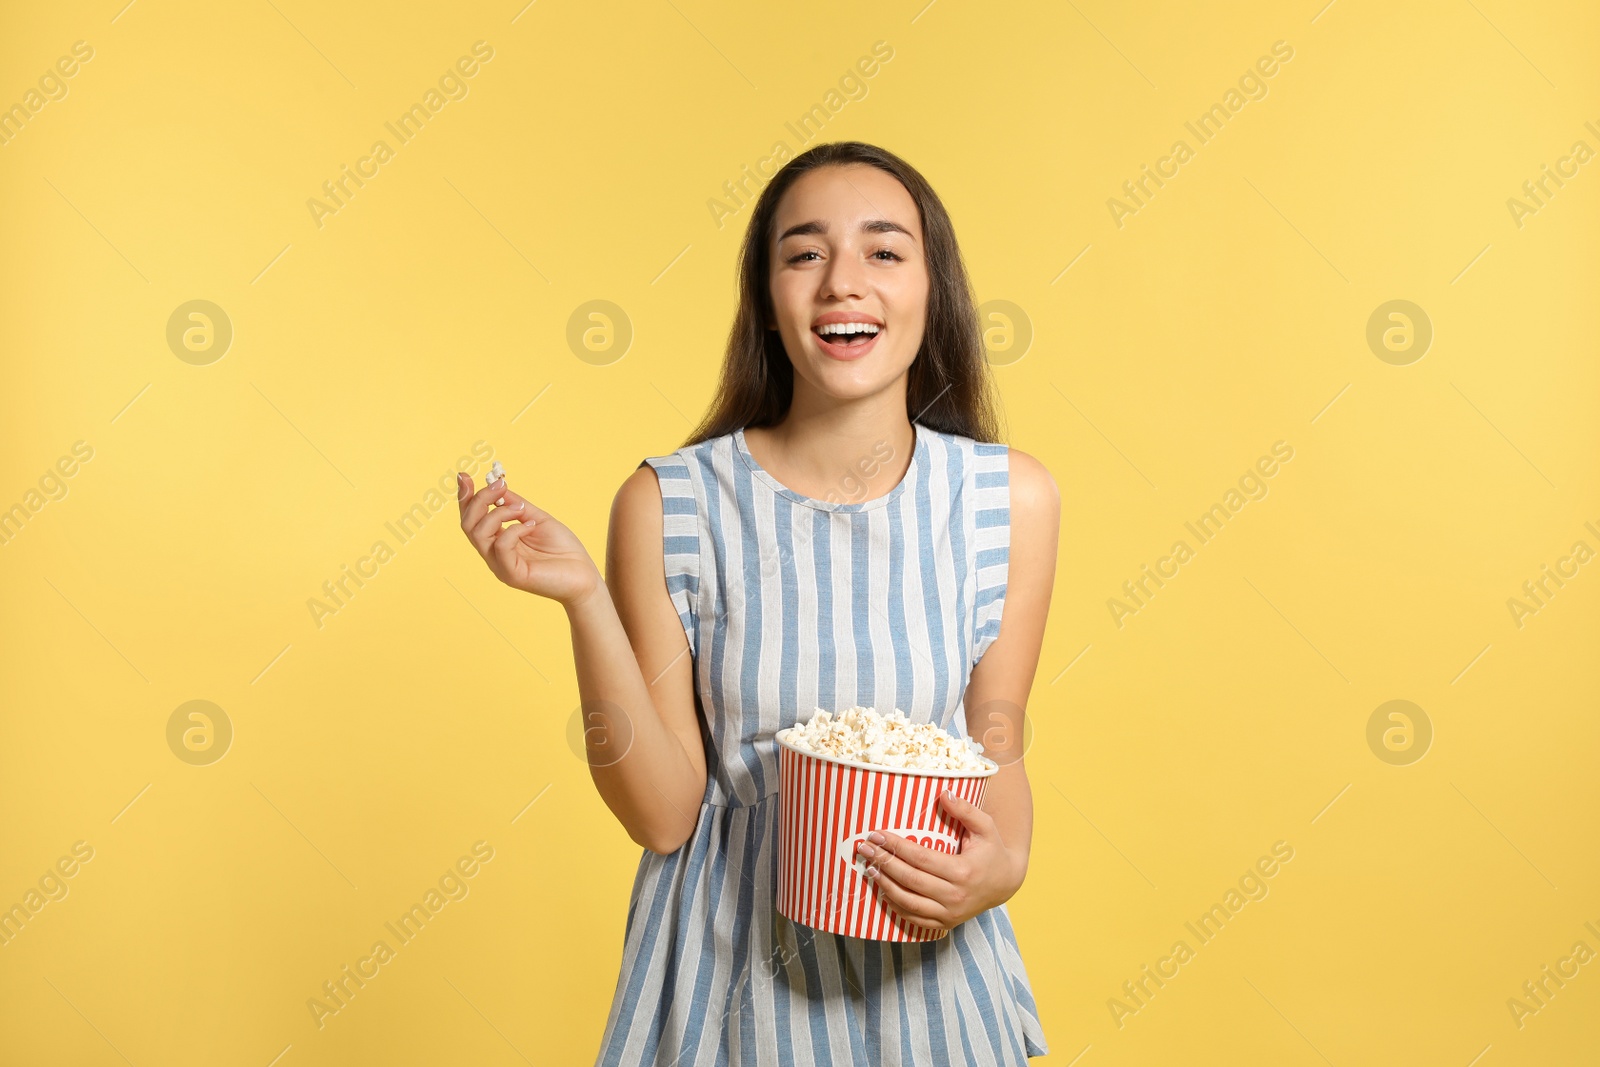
791,603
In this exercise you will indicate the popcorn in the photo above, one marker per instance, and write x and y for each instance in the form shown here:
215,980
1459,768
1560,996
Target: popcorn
893,740
496,473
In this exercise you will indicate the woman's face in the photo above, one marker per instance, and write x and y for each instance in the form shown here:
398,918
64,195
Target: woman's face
849,247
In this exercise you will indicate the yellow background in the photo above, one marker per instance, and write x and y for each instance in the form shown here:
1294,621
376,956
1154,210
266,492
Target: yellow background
371,352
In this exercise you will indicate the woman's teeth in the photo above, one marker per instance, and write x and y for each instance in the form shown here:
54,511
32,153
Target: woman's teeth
848,333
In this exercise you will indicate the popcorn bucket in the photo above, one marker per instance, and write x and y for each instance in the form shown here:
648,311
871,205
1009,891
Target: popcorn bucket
827,806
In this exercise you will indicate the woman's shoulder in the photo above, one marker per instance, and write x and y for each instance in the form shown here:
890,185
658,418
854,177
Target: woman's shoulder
1030,479
1033,510
1008,479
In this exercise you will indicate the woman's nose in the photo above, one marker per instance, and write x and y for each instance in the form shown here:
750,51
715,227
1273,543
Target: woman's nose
844,277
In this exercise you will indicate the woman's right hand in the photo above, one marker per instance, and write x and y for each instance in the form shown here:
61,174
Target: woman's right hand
535,553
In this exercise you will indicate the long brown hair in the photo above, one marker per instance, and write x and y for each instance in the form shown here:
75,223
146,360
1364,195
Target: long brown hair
948,387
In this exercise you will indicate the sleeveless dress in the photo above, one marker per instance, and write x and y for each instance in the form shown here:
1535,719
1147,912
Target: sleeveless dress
791,603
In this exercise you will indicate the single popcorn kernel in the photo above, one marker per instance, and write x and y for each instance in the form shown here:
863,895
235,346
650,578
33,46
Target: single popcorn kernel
496,473
862,735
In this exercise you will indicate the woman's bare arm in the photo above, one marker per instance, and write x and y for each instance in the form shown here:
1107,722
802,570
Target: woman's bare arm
997,691
649,760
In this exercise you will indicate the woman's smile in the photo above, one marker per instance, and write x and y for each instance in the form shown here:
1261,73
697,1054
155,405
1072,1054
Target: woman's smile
846,335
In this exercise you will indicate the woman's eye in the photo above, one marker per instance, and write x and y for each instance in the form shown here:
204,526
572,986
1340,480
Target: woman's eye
811,252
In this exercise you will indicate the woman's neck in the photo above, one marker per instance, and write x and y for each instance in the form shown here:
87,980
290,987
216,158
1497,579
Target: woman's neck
859,454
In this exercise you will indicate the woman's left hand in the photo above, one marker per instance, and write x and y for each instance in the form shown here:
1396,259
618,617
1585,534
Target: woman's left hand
937,890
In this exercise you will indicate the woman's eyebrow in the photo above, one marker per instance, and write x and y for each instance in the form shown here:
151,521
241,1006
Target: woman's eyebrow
820,226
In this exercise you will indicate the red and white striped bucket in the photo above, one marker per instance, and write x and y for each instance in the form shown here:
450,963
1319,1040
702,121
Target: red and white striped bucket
827,806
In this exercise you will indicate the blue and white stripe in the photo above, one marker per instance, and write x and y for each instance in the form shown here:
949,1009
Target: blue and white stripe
791,603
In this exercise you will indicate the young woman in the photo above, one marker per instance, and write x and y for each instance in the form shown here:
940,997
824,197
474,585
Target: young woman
841,530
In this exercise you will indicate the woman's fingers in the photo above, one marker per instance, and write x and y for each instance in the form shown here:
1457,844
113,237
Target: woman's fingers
911,877
473,505
481,517
489,525
913,907
504,543
942,865
467,492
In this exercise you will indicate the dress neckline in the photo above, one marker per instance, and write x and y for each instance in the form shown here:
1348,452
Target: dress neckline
918,459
